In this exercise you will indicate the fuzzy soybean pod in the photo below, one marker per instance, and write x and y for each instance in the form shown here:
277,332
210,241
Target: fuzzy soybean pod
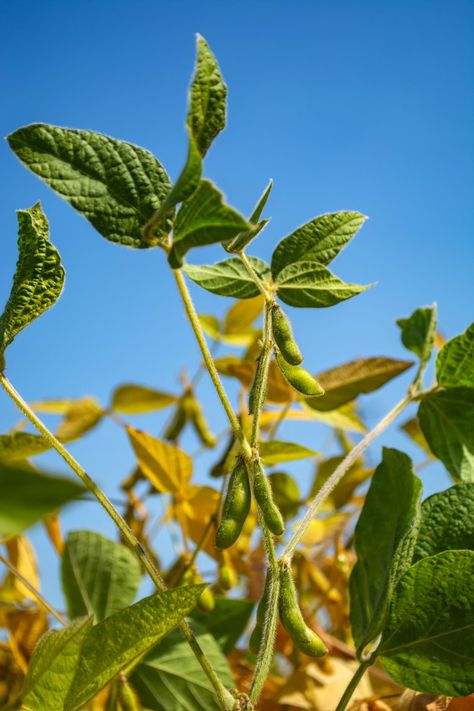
236,506
299,378
177,423
127,697
292,620
264,497
200,425
259,385
283,336
257,632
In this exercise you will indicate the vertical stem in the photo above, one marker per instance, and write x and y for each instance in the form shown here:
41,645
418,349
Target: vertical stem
264,364
265,653
352,686
225,698
258,282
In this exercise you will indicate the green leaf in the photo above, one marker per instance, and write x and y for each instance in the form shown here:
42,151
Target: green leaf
286,493
18,446
319,240
227,622
229,278
447,522
38,280
123,638
428,642
116,185
345,417
274,452
357,377
446,419
207,98
310,284
171,679
28,496
241,241
384,540
455,361
53,666
418,333
99,577
203,219
137,399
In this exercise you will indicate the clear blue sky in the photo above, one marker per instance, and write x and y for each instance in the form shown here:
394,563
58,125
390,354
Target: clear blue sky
346,105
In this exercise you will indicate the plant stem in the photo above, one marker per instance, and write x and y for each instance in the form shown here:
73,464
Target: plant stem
225,698
36,593
265,354
258,282
352,686
339,472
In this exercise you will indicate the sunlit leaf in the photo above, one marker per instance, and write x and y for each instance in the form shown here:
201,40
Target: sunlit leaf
242,314
412,428
229,278
275,452
418,334
227,622
322,529
278,389
286,493
79,418
22,555
455,361
21,445
166,466
310,284
341,495
243,240
134,399
344,417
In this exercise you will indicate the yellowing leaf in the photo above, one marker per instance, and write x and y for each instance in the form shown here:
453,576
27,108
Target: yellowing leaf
167,467
242,314
133,399
278,389
344,418
194,513
17,446
22,555
80,417
320,530
275,452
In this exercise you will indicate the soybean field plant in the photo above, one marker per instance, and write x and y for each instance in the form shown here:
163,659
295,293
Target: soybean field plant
353,594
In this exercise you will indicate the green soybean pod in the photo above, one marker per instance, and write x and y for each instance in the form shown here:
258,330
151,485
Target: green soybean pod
177,423
299,378
259,385
257,632
127,697
236,506
200,425
283,336
292,620
264,497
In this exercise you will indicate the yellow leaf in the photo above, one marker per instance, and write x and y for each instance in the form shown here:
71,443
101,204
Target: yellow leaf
344,417
21,554
278,389
80,417
195,512
242,314
25,627
133,399
321,529
166,466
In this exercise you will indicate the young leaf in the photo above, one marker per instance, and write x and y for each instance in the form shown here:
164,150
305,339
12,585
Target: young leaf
171,679
121,639
53,666
455,361
28,496
418,333
38,280
80,417
99,577
310,284
167,467
447,522
203,219
384,540
229,278
137,399
320,240
349,380
428,641
241,241
116,185
19,446
446,419
273,452
227,622
207,98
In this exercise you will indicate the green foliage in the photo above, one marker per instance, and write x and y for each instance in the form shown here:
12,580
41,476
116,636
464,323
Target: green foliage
38,280
229,278
286,493
136,399
275,452
116,185
418,334
446,419
29,495
99,577
429,638
310,284
18,446
227,622
385,536
455,361
243,240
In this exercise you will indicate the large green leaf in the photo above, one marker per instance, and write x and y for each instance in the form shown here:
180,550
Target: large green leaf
123,638
447,522
53,666
446,419
357,377
227,622
203,219
428,642
99,577
310,284
38,280
27,496
229,278
455,361
116,185
275,452
320,240
134,399
171,679
418,334
207,98
384,540
18,446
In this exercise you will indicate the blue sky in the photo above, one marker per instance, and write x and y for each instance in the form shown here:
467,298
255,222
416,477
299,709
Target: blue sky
365,106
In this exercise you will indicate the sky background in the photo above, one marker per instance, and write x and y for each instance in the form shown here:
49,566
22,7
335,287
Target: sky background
346,105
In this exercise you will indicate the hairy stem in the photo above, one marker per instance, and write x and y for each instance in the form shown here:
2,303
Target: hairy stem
264,364
36,593
352,686
339,472
225,698
265,653
253,274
